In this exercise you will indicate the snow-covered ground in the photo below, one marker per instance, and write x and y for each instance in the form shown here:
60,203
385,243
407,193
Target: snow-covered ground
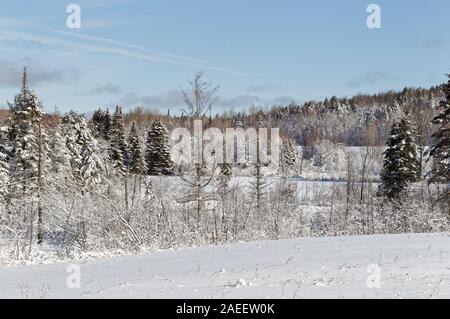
397,266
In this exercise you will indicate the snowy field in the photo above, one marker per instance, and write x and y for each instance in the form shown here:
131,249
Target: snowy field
383,266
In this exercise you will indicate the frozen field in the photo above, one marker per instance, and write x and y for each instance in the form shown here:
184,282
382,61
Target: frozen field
397,266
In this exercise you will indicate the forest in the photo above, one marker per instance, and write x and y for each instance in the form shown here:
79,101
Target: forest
72,184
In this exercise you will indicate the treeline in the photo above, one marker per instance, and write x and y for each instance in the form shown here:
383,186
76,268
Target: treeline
356,121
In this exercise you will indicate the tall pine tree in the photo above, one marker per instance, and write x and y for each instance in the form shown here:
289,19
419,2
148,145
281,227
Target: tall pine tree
288,155
101,124
4,174
119,154
86,165
136,156
137,165
106,125
157,156
27,156
400,164
440,151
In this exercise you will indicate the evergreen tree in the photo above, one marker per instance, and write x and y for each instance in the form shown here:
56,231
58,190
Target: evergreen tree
98,124
440,151
119,154
119,151
26,122
4,173
288,155
400,160
27,155
136,157
71,126
260,183
101,124
106,125
411,161
59,157
86,165
157,155
91,165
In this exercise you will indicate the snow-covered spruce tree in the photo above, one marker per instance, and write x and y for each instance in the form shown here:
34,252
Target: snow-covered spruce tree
440,151
97,118
91,164
137,165
4,176
86,169
101,124
136,156
106,125
119,149
86,165
288,161
27,153
411,162
119,154
288,156
260,184
71,129
59,157
157,154
400,164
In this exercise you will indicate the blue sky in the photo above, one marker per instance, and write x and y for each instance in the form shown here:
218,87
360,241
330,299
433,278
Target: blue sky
260,52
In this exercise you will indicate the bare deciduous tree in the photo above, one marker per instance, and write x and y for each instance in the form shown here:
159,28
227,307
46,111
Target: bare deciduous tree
200,97
199,100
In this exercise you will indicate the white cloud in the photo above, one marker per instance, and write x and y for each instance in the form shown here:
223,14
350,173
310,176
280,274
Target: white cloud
107,88
371,77
264,87
11,73
238,101
170,99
